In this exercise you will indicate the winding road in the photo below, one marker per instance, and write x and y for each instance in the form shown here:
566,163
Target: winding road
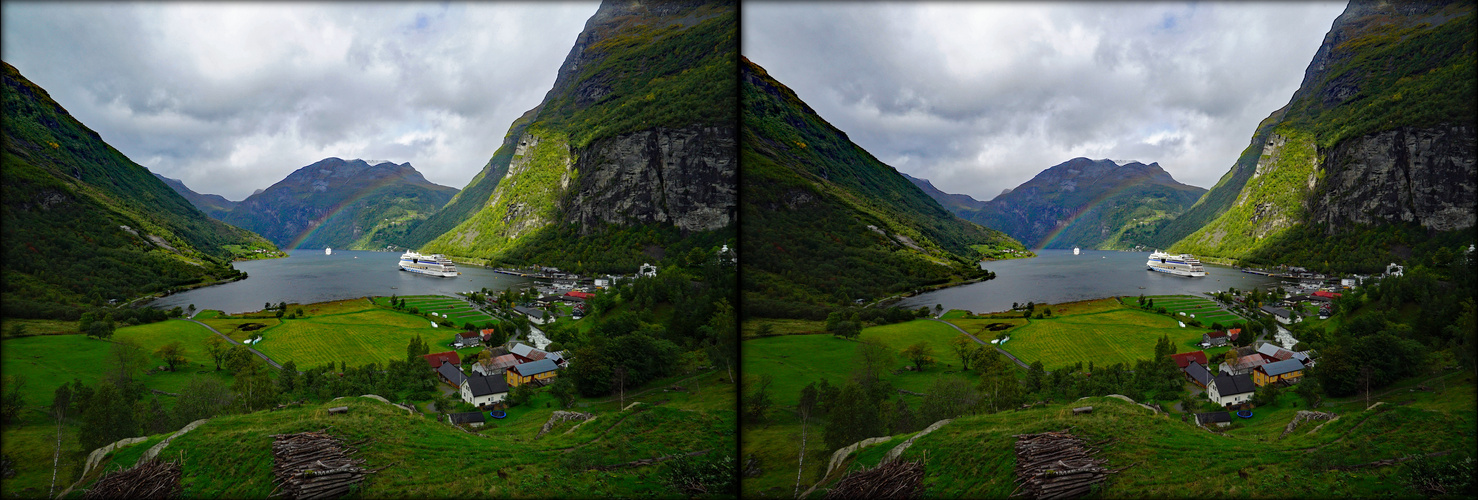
233,341
977,339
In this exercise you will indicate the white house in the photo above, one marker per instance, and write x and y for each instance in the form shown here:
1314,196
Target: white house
1231,389
647,270
482,391
1394,269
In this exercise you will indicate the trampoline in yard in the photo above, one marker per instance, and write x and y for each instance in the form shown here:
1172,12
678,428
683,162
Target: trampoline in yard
1244,413
497,414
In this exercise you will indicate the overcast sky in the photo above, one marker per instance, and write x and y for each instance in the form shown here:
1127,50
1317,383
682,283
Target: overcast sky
980,97
232,97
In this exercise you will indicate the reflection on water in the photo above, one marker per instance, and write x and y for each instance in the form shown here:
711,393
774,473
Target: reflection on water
308,276
1057,276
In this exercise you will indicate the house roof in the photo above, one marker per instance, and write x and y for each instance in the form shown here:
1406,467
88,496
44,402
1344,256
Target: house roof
483,386
1233,332
468,335
1276,311
1331,295
529,311
502,362
1185,358
1230,385
1281,367
1216,334
435,360
579,294
451,373
468,417
521,349
1198,371
1215,417
1273,351
535,367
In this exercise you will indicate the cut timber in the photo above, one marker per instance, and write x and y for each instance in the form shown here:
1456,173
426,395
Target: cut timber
1056,465
338,409
895,479
148,479
1082,410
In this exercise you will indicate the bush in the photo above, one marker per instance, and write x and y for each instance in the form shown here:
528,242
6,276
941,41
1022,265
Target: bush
711,475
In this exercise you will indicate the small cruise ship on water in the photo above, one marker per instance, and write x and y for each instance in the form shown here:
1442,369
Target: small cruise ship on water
1179,265
433,265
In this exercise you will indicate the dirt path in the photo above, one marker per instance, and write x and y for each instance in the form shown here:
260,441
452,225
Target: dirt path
229,339
977,339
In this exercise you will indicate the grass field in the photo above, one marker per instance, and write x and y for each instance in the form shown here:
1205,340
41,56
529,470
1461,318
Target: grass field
455,309
357,338
1113,334
751,327
1203,309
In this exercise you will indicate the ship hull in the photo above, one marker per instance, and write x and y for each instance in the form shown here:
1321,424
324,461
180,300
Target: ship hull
428,272
1177,272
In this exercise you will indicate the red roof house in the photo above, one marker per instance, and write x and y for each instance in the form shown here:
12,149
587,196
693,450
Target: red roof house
443,357
1184,359
1327,295
579,294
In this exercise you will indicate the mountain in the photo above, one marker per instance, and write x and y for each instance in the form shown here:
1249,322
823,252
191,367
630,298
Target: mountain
953,202
630,156
1372,158
83,224
826,223
1087,203
213,205
341,204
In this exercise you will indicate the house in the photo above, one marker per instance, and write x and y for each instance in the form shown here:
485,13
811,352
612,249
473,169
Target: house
1217,418
436,360
1244,365
1327,295
1281,314
497,365
1197,373
1185,358
1288,371
467,339
527,353
537,372
1273,352
535,315
1216,338
470,419
451,374
482,391
647,270
602,282
487,335
1227,390
576,294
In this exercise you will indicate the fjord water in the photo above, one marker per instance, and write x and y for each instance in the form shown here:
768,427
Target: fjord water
308,276
1057,276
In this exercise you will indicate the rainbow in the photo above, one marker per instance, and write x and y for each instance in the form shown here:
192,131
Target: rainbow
340,207
1084,208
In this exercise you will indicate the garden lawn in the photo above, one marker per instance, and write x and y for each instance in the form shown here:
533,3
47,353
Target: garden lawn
371,336
1120,335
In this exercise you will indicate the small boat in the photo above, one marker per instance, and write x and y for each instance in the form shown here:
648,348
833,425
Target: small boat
328,251
1075,250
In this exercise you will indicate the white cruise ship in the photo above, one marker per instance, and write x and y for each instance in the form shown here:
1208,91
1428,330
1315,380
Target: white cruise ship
434,265
1179,265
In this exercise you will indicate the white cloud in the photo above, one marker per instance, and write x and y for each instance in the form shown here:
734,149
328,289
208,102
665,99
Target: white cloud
232,97
983,96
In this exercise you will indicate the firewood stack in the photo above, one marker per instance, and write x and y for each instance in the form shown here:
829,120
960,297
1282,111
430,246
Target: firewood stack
1054,465
895,479
314,465
151,479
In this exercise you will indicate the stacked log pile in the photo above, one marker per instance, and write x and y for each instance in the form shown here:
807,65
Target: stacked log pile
150,479
314,465
895,479
1057,465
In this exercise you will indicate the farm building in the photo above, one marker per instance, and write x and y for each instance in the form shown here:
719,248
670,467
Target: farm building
537,372
1216,338
1245,364
582,296
1185,358
496,365
1198,374
1229,390
436,360
1287,371
451,374
1217,418
1282,315
481,391
527,353
467,339
470,419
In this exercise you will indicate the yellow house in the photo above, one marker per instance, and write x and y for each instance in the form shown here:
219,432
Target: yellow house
533,371
1289,369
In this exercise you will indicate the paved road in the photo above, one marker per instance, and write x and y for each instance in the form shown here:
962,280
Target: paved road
962,330
233,341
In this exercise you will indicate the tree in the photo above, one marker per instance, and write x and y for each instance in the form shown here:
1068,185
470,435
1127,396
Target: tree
1266,395
854,418
873,359
1035,376
949,397
172,353
287,379
1309,390
920,353
521,395
962,345
563,389
758,401
217,350
12,401
191,310
847,330
107,417
126,361
939,309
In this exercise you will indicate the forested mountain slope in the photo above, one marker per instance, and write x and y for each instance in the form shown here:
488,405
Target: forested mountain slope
83,224
827,223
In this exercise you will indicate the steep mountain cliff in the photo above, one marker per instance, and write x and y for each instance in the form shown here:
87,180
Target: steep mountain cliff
1088,203
956,203
214,205
826,223
631,154
1377,144
341,204
82,224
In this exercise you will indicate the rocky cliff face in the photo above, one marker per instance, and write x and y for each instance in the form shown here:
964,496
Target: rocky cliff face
1420,175
684,177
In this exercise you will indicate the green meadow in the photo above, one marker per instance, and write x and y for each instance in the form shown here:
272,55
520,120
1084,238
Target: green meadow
1203,309
371,335
1110,333
455,309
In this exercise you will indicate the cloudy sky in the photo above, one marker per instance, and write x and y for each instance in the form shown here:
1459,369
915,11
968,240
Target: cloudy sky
233,97
980,97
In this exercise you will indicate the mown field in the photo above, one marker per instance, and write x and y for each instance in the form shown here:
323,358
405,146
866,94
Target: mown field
354,338
1110,333
1201,308
455,309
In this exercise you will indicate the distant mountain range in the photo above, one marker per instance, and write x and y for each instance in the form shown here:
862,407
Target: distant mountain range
1372,158
826,223
335,203
1085,203
84,225
953,202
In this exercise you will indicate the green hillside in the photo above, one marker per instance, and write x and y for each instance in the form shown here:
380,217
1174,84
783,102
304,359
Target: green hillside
68,197
634,69
827,223
1377,137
